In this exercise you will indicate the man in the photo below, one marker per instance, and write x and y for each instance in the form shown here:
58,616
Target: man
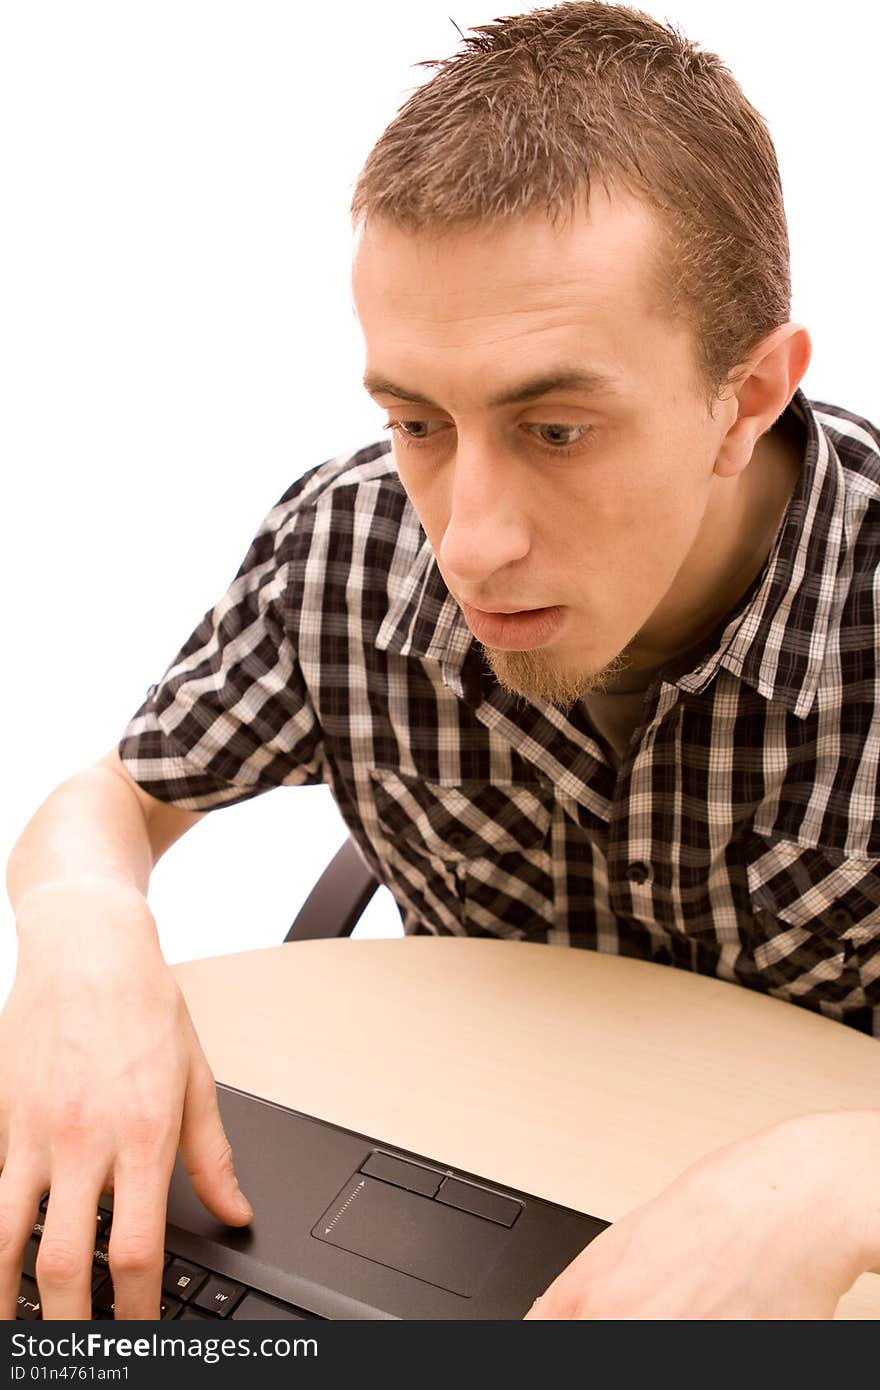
589,659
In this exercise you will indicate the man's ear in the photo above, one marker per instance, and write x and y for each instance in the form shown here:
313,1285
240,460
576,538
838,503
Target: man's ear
765,384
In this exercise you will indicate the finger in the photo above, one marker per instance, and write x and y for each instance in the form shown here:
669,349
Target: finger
65,1259
137,1235
206,1152
556,1303
551,1306
560,1300
21,1187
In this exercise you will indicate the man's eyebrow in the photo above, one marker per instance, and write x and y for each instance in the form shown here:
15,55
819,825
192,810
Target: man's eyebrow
566,379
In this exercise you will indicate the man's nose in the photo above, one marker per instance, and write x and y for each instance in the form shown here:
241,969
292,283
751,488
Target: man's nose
487,527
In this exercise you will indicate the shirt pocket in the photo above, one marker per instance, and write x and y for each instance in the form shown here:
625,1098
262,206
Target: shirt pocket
815,918
480,848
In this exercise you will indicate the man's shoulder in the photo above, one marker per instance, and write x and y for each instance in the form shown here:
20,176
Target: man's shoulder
341,480
355,494
342,527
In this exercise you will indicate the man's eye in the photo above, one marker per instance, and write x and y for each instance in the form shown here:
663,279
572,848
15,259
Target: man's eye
412,430
561,436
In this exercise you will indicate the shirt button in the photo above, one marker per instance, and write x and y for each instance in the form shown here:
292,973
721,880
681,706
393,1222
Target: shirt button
638,872
841,917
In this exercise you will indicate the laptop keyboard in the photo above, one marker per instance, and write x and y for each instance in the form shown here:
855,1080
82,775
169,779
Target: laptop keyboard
189,1291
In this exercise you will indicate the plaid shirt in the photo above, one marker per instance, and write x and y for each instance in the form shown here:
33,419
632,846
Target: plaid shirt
739,836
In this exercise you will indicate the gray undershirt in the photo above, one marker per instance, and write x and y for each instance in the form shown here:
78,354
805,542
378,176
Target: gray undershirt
617,711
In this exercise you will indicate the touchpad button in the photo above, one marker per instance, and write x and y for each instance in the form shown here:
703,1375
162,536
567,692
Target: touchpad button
441,1245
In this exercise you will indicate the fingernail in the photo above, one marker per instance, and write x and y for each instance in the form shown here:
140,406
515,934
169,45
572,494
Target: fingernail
243,1203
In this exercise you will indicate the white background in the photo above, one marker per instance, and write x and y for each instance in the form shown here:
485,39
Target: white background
177,343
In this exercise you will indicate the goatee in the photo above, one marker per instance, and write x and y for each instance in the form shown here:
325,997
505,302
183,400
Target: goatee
536,676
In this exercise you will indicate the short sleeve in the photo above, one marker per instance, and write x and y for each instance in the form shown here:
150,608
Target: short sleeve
231,716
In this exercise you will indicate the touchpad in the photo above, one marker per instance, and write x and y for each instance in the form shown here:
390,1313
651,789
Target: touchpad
440,1244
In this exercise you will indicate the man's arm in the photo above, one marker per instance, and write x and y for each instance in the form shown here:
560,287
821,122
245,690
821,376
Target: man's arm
99,823
101,1071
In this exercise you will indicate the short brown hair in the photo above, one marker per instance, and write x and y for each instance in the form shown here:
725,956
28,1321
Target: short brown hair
538,104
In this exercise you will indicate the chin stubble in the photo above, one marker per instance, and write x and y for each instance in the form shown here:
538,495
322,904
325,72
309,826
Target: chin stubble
535,676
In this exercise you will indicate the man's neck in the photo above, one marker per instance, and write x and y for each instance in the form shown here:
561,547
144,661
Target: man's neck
730,552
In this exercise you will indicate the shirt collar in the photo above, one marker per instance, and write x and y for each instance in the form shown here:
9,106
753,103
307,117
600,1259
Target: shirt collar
423,619
774,640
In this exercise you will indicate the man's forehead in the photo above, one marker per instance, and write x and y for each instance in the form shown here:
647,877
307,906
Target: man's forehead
597,263
465,318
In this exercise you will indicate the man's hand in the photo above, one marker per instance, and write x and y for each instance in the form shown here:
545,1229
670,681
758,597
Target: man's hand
776,1226
101,1075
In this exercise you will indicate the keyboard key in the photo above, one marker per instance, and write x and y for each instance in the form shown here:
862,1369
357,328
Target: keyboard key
218,1295
28,1300
256,1306
189,1314
104,1304
183,1279
102,1298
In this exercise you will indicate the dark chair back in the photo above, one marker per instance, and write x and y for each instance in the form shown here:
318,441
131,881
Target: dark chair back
337,899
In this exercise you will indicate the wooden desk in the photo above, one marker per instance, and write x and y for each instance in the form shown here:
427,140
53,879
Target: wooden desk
587,1079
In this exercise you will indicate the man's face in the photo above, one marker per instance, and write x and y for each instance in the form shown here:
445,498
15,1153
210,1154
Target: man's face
536,491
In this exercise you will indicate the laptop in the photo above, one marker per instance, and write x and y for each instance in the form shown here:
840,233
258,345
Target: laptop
345,1226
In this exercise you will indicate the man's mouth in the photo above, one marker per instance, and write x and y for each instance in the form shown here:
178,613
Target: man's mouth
513,629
